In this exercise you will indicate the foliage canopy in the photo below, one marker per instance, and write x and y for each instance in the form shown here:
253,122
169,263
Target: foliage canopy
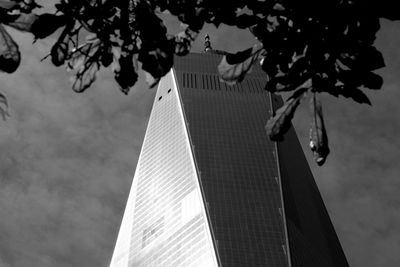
306,47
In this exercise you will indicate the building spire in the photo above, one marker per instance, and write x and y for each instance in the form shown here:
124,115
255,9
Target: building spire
207,43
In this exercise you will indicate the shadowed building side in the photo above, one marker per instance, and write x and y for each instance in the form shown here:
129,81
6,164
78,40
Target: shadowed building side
236,162
312,237
237,165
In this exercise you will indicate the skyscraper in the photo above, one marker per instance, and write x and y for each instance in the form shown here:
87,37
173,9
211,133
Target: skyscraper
210,189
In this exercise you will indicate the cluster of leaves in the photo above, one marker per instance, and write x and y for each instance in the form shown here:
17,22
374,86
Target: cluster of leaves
95,34
304,46
306,49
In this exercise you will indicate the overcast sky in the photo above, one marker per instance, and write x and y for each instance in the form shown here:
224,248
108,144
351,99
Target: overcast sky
67,161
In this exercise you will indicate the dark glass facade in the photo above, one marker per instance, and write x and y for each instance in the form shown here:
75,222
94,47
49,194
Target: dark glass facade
239,175
236,162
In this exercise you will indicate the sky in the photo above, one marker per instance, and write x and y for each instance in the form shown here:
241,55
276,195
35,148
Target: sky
67,160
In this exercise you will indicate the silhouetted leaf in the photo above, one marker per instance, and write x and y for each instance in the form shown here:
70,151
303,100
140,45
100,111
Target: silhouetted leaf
234,67
245,21
84,63
76,61
239,57
84,77
7,4
106,56
354,93
372,80
60,50
368,26
157,60
27,5
23,22
150,25
288,82
125,73
367,58
371,59
318,136
58,53
387,9
46,24
350,78
296,75
278,125
10,56
183,41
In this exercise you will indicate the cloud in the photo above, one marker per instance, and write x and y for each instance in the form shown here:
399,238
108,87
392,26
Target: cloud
3,263
67,163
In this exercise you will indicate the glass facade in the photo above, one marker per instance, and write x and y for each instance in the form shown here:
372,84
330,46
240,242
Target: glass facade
166,215
236,161
211,189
